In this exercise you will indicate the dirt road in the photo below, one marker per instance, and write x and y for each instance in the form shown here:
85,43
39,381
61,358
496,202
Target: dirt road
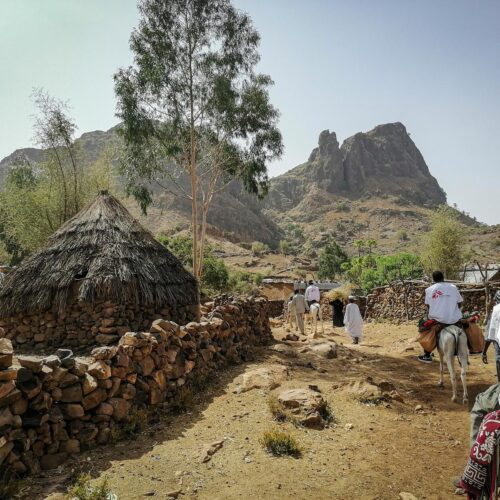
414,445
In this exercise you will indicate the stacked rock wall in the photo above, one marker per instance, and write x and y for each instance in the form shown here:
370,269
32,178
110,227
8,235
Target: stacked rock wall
53,407
388,303
84,324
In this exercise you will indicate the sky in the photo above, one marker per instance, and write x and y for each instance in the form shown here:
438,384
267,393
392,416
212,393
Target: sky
342,65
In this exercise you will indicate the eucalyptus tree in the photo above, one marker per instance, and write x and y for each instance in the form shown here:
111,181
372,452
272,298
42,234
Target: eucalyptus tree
196,113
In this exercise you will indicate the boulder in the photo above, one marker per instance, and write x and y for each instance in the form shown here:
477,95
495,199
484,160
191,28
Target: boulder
121,408
307,406
94,398
100,370
6,353
31,363
326,350
89,384
266,377
72,410
72,394
103,353
8,374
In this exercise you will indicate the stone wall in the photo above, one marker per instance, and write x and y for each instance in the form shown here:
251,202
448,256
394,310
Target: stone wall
53,407
82,324
387,303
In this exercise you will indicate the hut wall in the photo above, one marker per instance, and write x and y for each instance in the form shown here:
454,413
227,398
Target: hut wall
54,407
83,325
387,303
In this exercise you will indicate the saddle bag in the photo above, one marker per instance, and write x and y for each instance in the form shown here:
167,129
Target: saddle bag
428,338
475,338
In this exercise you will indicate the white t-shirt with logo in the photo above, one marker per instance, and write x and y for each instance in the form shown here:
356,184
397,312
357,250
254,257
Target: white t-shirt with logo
312,293
443,299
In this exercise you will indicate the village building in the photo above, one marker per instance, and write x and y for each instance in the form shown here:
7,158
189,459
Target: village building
99,276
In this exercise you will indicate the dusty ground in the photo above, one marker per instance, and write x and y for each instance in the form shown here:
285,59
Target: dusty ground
388,449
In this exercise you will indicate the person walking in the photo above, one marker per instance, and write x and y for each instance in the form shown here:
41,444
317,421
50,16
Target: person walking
312,293
493,333
353,320
299,305
443,301
337,312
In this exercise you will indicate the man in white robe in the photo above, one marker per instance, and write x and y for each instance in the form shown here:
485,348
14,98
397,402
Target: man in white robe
353,320
493,333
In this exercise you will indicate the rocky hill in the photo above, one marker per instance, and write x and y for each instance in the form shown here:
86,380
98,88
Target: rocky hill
376,185
384,161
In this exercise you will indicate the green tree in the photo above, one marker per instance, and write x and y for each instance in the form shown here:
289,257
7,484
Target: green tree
215,275
331,259
370,271
259,248
444,245
286,247
360,245
195,112
370,245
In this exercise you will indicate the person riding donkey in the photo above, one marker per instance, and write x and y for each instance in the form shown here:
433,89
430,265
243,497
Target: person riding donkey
443,301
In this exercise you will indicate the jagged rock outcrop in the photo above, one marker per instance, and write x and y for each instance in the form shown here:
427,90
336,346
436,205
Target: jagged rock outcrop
383,161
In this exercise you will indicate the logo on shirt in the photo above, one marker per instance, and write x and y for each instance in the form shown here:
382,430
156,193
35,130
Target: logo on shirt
437,294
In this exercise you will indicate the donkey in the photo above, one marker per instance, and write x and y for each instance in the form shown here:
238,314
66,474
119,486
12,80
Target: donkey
314,315
453,342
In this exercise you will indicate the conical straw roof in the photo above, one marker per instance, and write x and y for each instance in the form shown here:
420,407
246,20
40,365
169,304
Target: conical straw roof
109,254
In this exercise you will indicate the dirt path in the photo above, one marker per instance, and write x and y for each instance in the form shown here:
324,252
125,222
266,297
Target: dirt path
373,452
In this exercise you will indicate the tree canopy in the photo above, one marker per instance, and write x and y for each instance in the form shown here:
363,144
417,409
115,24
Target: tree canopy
195,112
445,245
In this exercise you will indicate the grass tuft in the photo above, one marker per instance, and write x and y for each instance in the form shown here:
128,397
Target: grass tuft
84,490
280,443
135,423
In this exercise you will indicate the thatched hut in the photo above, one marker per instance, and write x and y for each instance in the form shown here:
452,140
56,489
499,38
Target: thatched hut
100,275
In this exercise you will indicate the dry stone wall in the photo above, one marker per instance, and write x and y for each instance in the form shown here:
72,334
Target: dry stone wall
53,407
388,303
83,324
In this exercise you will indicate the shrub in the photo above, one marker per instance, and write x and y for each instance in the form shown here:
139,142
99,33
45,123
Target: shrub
342,206
402,235
134,423
84,490
259,248
280,443
215,274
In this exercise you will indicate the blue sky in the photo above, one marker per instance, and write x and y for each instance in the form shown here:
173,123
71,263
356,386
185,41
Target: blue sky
345,65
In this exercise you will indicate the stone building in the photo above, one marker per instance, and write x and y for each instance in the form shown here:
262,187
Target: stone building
100,275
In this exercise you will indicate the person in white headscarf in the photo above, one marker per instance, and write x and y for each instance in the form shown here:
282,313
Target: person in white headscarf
353,320
493,333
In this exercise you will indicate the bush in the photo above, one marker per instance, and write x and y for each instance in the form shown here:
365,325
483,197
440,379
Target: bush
402,235
259,248
331,259
135,423
215,274
242,283
368,271
280,443
83,490
342,206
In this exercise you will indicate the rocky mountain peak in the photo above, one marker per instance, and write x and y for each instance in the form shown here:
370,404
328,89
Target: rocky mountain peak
383,161
328,145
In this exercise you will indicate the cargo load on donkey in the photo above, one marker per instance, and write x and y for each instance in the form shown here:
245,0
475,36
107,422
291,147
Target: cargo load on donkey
429,332
443,301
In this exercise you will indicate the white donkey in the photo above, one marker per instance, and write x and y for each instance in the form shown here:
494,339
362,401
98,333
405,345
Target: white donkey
314,315
453,341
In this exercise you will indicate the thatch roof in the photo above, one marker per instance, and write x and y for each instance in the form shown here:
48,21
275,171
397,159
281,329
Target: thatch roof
109,254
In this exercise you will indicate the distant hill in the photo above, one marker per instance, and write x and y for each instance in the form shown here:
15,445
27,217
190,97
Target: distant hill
376,185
